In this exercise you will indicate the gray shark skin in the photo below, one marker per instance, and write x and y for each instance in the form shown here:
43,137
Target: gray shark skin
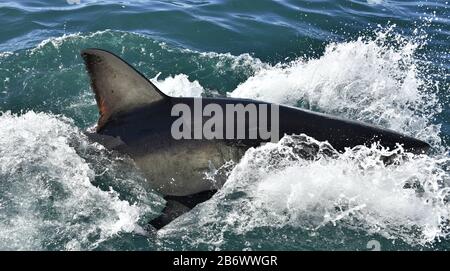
135,119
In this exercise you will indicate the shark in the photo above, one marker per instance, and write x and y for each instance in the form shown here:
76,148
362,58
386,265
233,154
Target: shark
137,119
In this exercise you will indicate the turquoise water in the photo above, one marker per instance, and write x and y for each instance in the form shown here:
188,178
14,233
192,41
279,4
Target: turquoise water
378,61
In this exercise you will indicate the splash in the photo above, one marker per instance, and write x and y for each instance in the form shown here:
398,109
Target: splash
179,86
302,185
371,80
356,188
52,203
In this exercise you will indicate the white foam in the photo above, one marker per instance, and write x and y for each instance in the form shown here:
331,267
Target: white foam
5,54
358,190
179,86
47,195
242,60
56,42
275,186
369,80
372,80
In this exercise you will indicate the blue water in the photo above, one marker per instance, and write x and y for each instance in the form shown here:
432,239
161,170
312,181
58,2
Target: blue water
379,61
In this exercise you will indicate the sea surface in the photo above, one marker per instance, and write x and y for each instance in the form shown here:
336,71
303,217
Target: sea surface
379,61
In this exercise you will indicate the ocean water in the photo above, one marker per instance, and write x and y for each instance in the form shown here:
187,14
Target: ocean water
378,61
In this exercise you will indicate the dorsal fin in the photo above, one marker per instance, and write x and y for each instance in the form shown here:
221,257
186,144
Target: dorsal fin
118,87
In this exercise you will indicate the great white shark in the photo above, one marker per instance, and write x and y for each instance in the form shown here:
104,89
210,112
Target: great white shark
136,119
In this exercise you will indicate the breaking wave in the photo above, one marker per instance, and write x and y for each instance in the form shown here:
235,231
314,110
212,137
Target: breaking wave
50,196
306,185
300,183
372,80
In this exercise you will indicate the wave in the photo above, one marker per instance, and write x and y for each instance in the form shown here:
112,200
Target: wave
51,194
307,186
51,77
372,80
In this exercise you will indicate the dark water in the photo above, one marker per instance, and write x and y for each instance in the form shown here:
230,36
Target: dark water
378,61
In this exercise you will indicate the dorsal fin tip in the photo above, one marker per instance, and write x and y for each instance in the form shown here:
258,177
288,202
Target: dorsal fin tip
118,87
